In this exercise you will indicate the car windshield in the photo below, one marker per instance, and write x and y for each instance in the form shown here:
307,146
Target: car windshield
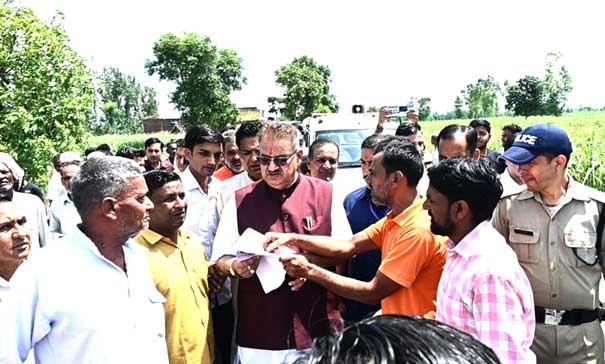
349,143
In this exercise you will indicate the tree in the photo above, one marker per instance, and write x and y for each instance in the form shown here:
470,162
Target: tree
458,104
534,96
482,98
557,84
425,108
46,91
526,97
307,89
124,103
204,75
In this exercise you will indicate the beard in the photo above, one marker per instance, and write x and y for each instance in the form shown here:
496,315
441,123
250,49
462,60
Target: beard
443,230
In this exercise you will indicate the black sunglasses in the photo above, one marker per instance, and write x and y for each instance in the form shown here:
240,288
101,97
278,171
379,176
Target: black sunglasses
280,160
322,160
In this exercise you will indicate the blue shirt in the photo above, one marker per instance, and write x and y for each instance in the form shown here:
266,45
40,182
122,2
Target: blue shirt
361,213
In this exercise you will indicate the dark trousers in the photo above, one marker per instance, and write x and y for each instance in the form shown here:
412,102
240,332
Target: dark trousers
222,320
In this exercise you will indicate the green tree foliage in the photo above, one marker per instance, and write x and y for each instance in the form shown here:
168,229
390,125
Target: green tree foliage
526,97
204,75
557,84
458,107
46,91
534,96
124,103
482,98
425,108
307,89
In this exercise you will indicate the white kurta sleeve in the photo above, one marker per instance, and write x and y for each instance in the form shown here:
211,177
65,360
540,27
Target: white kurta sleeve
226,233
340,223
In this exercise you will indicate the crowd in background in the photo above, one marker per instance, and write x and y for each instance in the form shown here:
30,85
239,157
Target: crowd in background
134,256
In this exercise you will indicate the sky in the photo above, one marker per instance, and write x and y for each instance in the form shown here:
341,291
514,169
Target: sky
380,52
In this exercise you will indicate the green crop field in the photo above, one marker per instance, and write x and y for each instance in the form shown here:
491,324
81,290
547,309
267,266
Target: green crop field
117,141
586,129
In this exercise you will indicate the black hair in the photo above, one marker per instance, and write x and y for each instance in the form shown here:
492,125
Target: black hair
471,180
105,148
374,139
249,129
470,135
401,155
398,339
156,179
318,143
382,143
152,141
140,153
407,129
124,152
513,128
510,140
89,150
69,163
200,134
475,123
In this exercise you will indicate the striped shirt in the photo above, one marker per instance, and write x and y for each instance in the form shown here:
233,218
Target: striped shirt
485,292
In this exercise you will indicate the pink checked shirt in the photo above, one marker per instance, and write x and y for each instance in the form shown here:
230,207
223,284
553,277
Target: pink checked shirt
484,291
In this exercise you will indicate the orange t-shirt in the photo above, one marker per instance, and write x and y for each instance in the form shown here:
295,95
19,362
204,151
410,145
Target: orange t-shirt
411,256
223,173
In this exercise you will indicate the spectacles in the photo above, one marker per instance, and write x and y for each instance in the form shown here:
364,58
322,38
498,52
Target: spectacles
280,160
332,161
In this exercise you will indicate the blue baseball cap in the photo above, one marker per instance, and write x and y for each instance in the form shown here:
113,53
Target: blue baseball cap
536,140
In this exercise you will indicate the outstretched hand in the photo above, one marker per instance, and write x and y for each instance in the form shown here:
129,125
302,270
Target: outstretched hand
275,240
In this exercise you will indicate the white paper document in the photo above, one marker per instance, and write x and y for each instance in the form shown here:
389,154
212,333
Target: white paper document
270,271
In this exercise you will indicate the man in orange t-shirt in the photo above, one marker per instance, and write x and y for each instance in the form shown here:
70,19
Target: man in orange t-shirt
412,257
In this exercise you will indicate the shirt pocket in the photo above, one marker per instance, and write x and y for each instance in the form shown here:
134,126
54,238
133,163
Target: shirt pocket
315,226
524,242
584,244
156,313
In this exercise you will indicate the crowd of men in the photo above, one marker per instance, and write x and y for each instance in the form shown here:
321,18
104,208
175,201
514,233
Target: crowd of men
483,257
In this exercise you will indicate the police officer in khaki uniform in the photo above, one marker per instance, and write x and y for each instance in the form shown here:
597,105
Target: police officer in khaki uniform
552,226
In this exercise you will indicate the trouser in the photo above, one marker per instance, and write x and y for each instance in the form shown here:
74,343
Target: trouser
222,320
569,344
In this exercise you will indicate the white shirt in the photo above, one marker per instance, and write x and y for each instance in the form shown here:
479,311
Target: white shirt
197,200
509,185
219,196
55,188
64,217
35,213
4,289
220,193
72,305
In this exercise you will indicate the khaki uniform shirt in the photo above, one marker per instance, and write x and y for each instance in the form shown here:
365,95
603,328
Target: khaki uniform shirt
545,244
180,272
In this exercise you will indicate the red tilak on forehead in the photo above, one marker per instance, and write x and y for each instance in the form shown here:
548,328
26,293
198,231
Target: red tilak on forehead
271,150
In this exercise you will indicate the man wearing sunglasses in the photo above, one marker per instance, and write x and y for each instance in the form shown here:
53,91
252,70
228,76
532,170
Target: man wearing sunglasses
273,327
323,159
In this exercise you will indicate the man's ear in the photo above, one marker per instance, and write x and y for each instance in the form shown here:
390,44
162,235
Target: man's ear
476,154
188,154
561,160
399,177
460,210
109,208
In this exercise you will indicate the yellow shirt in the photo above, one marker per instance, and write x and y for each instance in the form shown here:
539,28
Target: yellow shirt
180,272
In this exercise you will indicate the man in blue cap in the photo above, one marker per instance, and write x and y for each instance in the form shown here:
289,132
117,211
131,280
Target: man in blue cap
552,225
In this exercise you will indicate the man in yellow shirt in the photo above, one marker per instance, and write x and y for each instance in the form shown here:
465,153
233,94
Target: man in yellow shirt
178,264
